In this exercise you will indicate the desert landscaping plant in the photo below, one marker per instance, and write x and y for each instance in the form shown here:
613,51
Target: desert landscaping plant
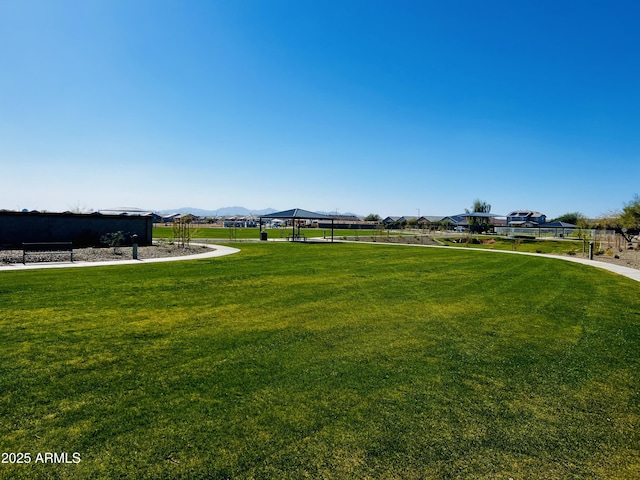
114,240
182,231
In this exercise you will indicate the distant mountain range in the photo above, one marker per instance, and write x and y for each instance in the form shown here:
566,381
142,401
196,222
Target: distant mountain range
224,212
229,211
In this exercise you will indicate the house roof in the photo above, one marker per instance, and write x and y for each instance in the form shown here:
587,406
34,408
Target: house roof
432,218
123,211
298,213
524,214
558,224
478,214
347,218
455,219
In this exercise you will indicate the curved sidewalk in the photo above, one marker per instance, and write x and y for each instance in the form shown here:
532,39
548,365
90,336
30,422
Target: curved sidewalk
216,251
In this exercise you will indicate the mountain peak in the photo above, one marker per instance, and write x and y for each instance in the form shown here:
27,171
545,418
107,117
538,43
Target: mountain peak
223,212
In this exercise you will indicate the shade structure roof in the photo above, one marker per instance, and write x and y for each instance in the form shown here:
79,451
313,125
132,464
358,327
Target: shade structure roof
558,225
298,213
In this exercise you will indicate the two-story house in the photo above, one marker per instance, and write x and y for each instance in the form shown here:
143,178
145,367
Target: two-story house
525,218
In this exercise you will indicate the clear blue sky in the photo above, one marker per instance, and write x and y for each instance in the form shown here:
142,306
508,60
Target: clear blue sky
362,106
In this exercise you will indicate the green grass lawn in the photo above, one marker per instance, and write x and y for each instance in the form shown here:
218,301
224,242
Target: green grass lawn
254,233
340,361
491,242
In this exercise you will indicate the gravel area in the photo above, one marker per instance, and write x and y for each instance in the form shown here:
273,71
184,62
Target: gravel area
8,257
625,258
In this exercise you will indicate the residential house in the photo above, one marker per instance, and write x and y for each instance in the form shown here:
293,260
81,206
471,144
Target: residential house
391,222
455,222
525,218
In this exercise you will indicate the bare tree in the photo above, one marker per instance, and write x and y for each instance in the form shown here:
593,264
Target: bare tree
182,230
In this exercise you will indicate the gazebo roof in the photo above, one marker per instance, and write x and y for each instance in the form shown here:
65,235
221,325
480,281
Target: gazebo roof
298,213
558,225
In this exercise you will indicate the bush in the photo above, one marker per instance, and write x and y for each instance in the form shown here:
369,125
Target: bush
115,240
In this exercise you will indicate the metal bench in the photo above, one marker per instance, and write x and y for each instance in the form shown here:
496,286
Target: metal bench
54,248
298,237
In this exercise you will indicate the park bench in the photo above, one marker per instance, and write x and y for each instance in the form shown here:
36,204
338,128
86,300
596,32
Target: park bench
298,237
54,248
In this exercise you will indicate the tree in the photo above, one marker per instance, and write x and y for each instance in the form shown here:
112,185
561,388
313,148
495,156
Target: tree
575,218
608,220
80,209
182,230
630,216
372,217
479,224
625,222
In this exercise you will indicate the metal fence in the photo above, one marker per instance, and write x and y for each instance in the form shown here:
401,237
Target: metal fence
546,232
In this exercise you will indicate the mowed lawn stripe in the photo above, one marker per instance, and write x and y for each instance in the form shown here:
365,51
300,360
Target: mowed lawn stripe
336,361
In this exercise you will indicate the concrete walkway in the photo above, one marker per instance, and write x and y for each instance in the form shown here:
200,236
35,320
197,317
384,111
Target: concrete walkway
216,251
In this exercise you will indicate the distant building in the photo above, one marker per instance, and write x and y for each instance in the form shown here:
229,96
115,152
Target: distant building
525,218
342,221
166,218
391,221
79,228
238,221
455,222
430,220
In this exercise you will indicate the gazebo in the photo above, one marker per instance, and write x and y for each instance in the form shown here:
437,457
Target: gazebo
483,216
296,214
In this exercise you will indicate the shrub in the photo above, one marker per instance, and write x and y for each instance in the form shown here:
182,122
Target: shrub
115,240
